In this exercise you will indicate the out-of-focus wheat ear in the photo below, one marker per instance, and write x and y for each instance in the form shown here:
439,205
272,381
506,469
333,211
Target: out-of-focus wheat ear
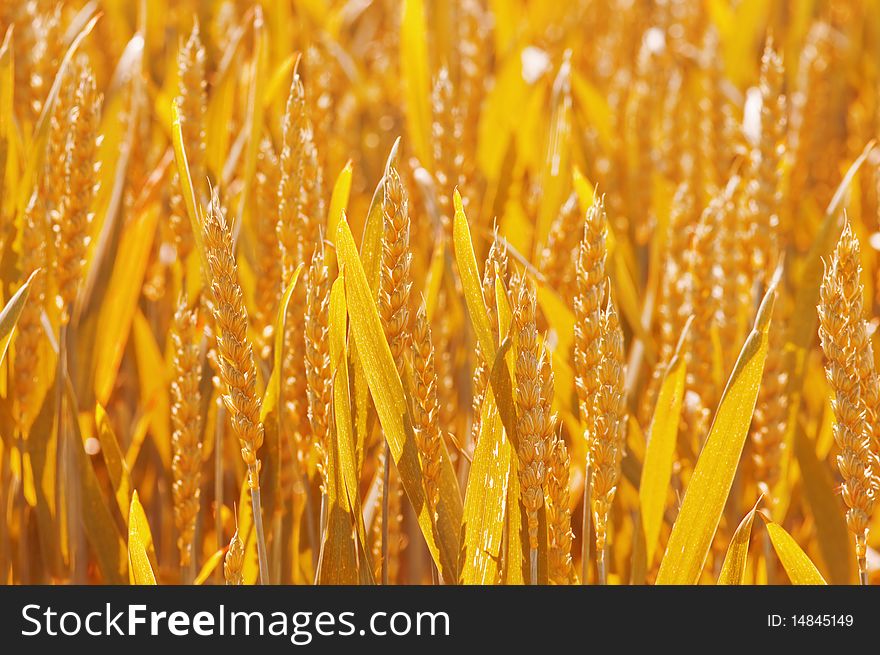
815,140
186,441
51,182
764,189
590,280
559,515
73,217
192,105
318,355
701,301
234,561
46,55
641,108
446,133
236,359
475,52
426,409
770,419
292,165
534,421
559,255
671,303
735,278
609,429
268,258
840,330
29,330
714,126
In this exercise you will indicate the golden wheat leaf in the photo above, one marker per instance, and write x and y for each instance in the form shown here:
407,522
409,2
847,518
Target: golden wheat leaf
273,385
470,279
416,77
222,103
339,558
97,521
279,80
393,411
140,539
733,569
595,108
556,166
371,258
153,385
799,567
660,451
42,448
189,194
10,314
8,147
41,131
117,469
709,486
123,293
500,377
342,416
483,523
339,197
832,535
210,566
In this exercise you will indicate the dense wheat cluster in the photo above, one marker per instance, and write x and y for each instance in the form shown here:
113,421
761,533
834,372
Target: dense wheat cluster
422,292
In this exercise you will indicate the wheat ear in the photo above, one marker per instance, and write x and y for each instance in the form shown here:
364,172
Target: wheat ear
236,359
186,416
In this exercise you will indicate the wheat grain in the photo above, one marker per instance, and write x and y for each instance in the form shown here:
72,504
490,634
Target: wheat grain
233,562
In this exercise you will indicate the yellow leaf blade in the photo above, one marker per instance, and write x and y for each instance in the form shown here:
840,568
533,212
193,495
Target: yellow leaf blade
392,409
734,567
11,313
799,567
140,540
713,475
660,452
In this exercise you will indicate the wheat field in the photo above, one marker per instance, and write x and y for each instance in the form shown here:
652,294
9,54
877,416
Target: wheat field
422,292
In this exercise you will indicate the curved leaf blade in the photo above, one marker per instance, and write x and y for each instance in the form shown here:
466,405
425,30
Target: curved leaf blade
713,475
